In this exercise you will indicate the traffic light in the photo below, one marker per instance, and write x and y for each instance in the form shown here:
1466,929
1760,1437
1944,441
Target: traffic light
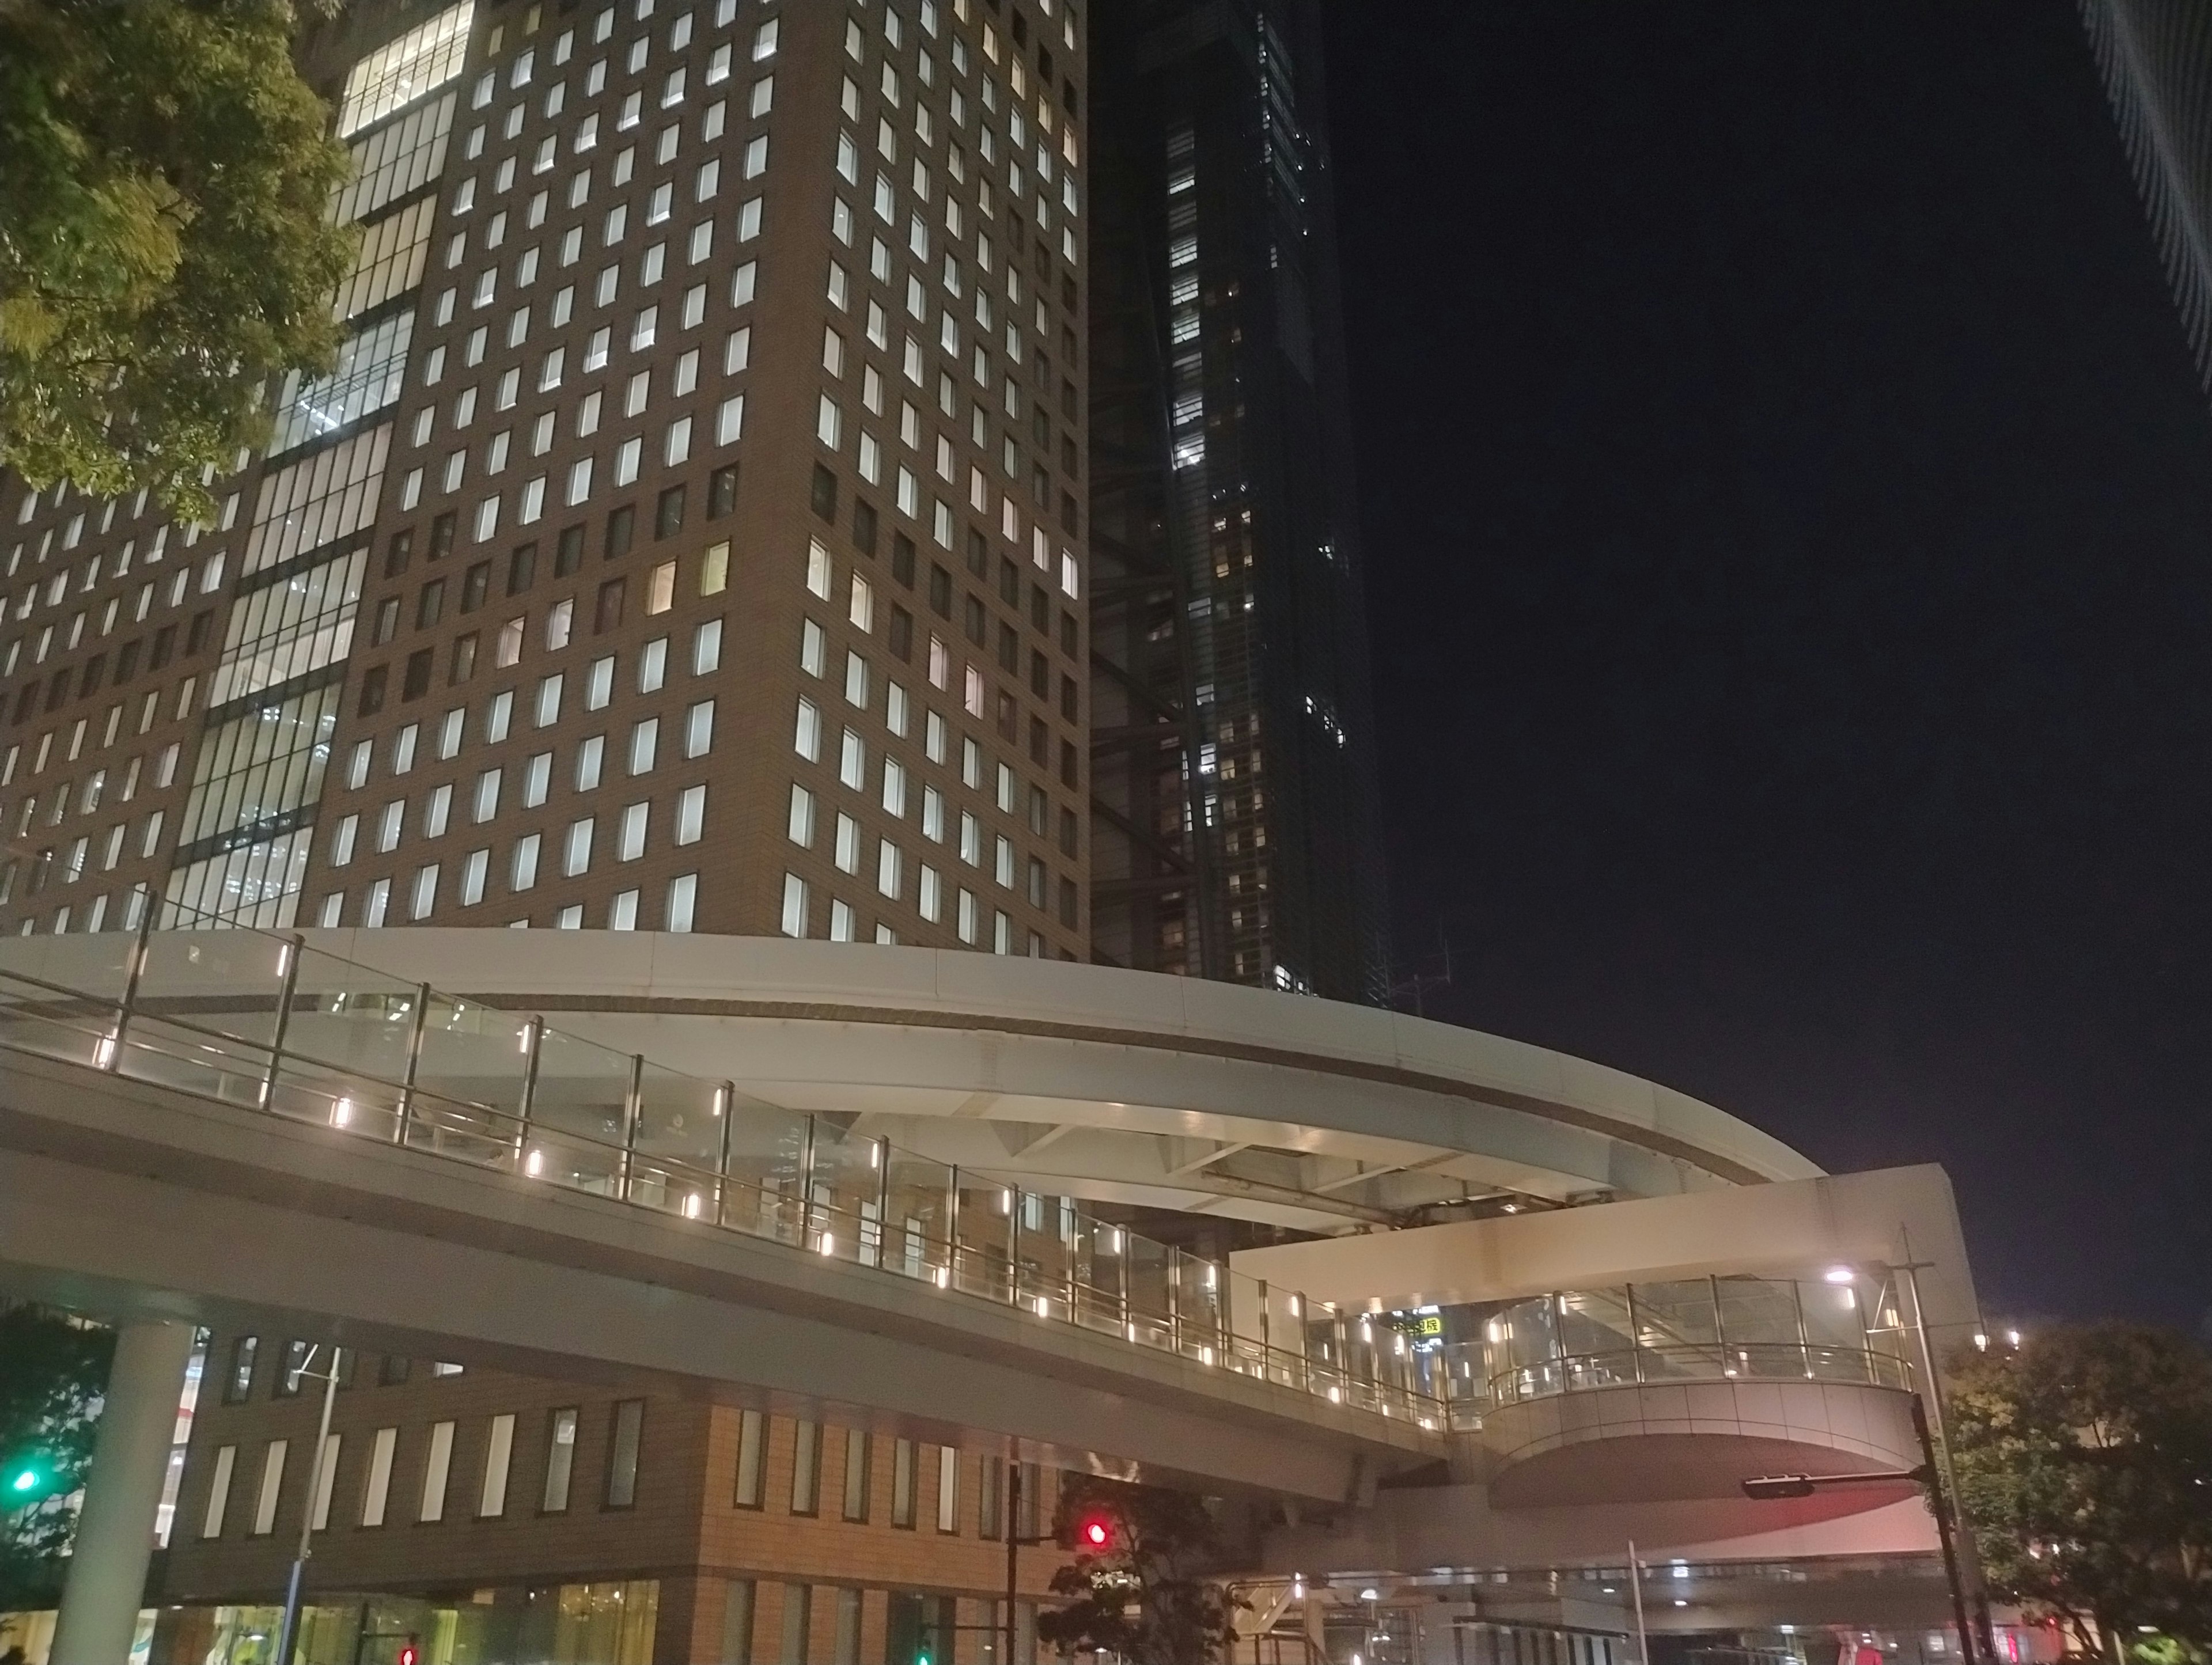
408,1654
26,1478
1095,1533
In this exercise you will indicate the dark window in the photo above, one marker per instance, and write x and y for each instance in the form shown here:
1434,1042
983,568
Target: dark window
1069,517
1068,834
825,493
1071,459
1010,583
418,675
1040,427
26,700
1070,700
1067,902
1040,743
392,1371
203,626
1009,716
398,552
126,662
237,1384
903,558
1067,637
623,1440
621,524
1067,400
864,526
979,553
610,614
1040,607
940,590
387,621
463,663
721,491
521,567
372,691
442,536
668,512
1036,883
901,631
568,555
1040,675
1068,284
1039,806
94,668
475,585
165,643
977,622
430,604
1010,649
286,1384
1067,770
57,690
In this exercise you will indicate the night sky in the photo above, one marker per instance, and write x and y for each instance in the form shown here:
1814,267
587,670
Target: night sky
1788,497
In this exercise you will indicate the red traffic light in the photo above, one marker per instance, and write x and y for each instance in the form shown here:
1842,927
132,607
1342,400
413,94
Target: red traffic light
1096,1533
409,1655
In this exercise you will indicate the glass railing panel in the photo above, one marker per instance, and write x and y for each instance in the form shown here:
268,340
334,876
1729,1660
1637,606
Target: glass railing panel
469,1081
768,1156
215,983
577,1115
1758,1312
1151,1321
60,1000
985,1226
1678,1328
847,1178
675,1142
917,1206
1100,1252
347,1041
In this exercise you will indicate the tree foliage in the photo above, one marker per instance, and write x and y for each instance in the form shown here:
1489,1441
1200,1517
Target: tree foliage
53,1373
164,176
1146,1597
2085,1465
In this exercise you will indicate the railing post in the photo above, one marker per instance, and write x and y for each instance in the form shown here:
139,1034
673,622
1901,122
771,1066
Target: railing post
1121,1236
882,1199
295,945
633,1097
129,1004
415,1030
1266,1329
952,1227
806,1188
1067,1241
728,1094
1635,1339
533,1036
1175,1301
1014,1245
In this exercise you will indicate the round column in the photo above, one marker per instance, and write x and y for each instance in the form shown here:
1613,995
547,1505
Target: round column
114,1540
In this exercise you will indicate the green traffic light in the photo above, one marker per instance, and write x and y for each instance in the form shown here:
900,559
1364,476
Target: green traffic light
24,1481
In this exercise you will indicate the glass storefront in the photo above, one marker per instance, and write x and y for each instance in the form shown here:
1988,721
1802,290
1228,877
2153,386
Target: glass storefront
609,1623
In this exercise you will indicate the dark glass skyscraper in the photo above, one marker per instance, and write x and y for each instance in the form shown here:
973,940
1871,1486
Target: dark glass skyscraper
1233,806
2156,55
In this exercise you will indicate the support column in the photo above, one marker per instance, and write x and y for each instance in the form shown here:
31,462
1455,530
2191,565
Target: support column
122,1496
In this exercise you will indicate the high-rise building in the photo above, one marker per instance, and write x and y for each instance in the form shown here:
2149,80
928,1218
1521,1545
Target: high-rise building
2156,57
686,539
1235,812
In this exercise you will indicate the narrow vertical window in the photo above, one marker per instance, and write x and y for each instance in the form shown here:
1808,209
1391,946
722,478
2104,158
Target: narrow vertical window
805,1470
621,1453
856,1474
435,1472
376,1493
751,1435
903,1483
948,1488
560,1462
499,1457
738,1622
272,1485
797,1614
226,1459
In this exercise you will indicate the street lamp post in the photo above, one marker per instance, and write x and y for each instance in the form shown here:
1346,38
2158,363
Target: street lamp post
288,1635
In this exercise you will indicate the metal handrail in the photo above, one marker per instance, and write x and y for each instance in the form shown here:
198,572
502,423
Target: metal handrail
178,1042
